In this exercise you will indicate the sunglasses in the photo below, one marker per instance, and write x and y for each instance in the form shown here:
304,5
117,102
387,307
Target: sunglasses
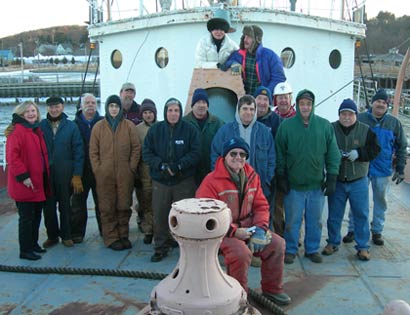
235,154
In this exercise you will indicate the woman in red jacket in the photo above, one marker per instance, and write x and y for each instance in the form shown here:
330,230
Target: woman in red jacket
28,171
237,184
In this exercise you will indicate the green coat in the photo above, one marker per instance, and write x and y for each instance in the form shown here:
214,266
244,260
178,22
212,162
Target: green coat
304,154
207,133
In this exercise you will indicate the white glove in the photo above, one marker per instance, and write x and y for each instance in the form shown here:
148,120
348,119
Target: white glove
353,155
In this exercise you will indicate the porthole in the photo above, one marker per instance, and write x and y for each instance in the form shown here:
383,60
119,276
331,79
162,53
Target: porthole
161,57
116,59
288,57
335,59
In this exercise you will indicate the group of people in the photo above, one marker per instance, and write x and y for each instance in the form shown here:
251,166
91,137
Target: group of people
273,165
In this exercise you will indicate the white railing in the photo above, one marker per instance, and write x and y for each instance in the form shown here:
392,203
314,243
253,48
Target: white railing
103,11
3,161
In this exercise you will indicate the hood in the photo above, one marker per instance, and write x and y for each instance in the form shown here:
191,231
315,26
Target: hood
299,96
172,101
238,118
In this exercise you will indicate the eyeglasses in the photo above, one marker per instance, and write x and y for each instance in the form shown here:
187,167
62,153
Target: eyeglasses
235,154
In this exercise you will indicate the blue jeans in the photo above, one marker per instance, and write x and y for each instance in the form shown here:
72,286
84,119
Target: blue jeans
380,187
310,205
358,194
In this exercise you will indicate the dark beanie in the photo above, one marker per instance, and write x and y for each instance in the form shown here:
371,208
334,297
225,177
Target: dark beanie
199,94
263,91
349,105
234,143
381,95
112,99
148,104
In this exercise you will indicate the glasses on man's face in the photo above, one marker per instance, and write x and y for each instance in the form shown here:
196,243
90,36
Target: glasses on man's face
235,154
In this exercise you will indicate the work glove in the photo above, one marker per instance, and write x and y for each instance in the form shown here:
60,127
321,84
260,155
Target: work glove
243,234
77,184
163,167
329,186
259,240
175,169
352,155
283,184
398,177
221,66
236,69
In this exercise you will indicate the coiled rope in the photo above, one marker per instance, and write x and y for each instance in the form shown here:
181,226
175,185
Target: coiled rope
276,310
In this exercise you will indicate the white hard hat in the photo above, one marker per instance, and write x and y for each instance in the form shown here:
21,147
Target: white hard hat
282,88
397,307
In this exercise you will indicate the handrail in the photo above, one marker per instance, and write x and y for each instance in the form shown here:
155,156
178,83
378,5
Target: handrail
3,161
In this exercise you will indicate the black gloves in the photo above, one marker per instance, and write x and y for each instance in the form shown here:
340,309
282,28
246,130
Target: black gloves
283,184
398,177
329,186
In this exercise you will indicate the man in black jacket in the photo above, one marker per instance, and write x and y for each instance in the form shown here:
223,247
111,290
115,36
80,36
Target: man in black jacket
172,151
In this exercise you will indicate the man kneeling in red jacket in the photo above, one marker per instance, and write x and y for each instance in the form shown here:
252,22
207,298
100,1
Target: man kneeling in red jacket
236,183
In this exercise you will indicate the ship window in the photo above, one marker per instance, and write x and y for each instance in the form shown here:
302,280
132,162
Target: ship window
288,57
161,57
335,59
116,59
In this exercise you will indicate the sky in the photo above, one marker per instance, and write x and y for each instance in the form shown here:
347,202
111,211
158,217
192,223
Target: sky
25,15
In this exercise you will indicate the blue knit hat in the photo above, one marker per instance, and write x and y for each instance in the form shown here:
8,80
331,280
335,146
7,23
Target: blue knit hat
381,95
233,143
199,95
263,91
349,105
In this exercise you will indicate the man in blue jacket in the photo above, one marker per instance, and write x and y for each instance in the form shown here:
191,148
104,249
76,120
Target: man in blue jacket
256,135
172,151
393,142
66,156
259,65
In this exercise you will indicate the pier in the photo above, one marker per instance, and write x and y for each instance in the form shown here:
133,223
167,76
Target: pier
45,89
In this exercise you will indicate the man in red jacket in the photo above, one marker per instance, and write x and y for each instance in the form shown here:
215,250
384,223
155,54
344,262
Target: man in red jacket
237,184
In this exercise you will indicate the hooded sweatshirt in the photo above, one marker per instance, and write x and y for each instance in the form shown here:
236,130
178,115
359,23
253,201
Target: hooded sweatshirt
176,145
305,153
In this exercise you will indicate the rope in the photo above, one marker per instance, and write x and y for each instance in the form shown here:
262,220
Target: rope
276,310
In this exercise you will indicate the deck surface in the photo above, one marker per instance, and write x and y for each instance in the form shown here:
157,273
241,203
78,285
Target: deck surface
340,285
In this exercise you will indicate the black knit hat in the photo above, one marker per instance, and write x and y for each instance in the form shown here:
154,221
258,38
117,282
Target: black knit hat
113,99
148,104
233,143
381,95
199,94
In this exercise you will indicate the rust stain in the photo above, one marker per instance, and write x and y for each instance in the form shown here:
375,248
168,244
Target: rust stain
6,309
82,308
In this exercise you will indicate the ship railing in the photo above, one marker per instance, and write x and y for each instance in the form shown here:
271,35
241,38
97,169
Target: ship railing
350,10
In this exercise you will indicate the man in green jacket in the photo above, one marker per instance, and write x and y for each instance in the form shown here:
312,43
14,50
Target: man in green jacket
306,150
207,126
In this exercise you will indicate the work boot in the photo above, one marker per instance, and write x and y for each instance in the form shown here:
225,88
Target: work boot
377,239
363,254
78,240
289,258
126,243
158,256
37,249
148,238
329,250
50,243
348,238
68,243
278,298
117,245
314,257
29,256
